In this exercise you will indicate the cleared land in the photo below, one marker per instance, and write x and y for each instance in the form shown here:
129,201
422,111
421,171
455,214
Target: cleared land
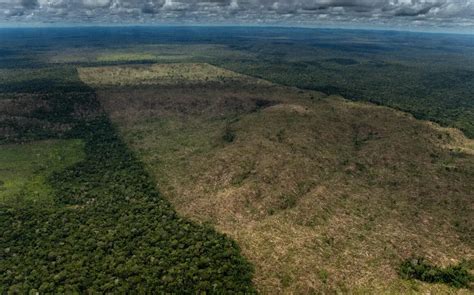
25,167
125,57
162,74
322,194
145,53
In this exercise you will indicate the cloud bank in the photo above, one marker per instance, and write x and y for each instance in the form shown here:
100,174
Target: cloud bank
397,13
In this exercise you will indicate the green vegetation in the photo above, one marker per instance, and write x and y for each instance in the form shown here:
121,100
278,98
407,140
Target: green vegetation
160,74
436,81
322,195
458,276
298,178
108,230
51,80
38,104
144,53
229,135
25,168
157,54
127,57
119,235
425,81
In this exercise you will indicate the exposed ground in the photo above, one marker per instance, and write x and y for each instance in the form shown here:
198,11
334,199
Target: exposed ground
322,194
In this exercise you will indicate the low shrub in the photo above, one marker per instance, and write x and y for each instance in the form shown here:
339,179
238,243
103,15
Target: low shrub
229,135
457,276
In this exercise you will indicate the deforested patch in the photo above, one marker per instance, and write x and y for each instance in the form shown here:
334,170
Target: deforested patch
161,74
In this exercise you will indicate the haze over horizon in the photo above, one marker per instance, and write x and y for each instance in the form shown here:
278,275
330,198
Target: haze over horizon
417,15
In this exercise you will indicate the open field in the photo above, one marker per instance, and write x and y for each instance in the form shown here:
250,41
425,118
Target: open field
163,74
322,194
145,54
24,169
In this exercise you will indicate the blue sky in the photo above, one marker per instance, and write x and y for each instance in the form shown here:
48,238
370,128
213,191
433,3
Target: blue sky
431,15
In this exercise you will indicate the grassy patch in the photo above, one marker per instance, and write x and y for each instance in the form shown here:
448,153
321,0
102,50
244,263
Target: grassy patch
144,54
25,168
159,74
144,57
125,57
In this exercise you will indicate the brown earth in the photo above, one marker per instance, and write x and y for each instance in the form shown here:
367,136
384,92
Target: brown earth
323,195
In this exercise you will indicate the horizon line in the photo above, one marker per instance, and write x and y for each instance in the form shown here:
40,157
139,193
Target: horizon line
41,25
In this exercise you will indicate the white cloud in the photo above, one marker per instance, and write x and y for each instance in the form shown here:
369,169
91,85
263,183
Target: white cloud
408,12
96,3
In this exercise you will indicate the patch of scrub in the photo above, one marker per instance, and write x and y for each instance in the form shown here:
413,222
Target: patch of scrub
125,57
24,168
342,61
147,52
293,189
161,74
285,173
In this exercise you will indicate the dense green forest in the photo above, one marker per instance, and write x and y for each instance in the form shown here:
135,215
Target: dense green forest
108,230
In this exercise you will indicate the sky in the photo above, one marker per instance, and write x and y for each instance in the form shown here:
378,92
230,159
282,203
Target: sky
404,14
